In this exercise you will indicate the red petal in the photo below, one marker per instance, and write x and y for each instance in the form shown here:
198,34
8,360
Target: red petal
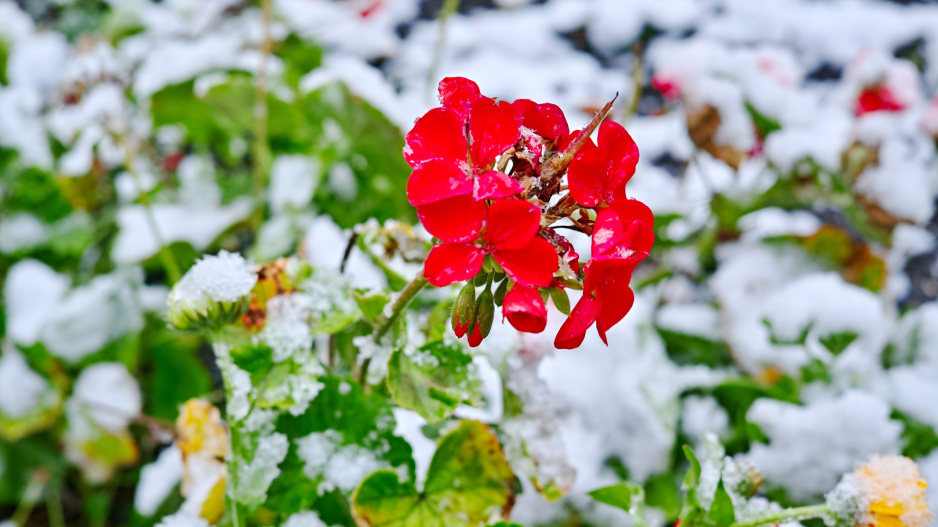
598,271
586,177
449,263
522,105
608,232
494,127
458,93
439,134
475,336
456,219
512,224
573,330
616,299
437,179
622,151
493,184
534,264
632,210
525,309
548,121
460,328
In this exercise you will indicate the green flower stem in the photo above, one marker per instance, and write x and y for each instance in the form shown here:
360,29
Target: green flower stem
384,323
220,337
794,513
397,308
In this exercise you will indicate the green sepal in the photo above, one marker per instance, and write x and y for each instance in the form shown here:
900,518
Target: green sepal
500,292
561,300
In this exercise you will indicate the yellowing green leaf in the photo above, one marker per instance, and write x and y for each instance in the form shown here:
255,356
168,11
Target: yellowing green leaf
469,483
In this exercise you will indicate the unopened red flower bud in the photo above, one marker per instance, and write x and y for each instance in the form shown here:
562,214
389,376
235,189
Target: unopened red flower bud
475,336
485,312
464,309
525,310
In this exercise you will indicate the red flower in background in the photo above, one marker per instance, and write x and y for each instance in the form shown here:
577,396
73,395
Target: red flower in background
525,309
598,175
510,237
877,98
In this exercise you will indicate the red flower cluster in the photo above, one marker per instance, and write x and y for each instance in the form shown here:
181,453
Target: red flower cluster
486,179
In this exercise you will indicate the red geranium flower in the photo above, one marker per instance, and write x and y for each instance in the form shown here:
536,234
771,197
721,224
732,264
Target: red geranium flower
525,309
622,237
510,237
452,175
877,98
598,175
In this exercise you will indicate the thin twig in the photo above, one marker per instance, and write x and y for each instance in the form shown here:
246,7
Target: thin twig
348,251
261,148
449,8
638,81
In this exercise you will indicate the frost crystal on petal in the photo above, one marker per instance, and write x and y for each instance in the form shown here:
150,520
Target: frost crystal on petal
222,278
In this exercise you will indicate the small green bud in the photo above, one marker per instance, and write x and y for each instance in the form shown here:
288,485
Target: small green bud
214,292
464,309
480,279
485,312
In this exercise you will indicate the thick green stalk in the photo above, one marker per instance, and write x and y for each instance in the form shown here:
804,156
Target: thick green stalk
397,308
385,323
794,513
221,343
